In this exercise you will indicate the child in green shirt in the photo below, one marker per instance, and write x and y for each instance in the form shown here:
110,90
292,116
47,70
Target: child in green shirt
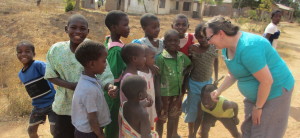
117,23
172,64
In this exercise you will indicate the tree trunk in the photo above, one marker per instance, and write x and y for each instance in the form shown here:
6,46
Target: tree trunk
202,9
77,5
145,7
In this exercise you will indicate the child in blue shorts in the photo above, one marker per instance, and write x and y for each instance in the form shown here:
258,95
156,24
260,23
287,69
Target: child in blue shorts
40,90
204,58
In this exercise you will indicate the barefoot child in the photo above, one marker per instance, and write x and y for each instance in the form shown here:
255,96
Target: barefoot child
151,27
134,118
64,70
172,65
117,23
223,110
181,24
90,112
204,58
40,90
153,88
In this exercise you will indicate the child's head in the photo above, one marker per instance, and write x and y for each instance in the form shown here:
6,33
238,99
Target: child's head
134,87
92,56
181,24
134,54
150,56
77,28
200,34
25,52
171,40
117,22
205,95
150,25
276,16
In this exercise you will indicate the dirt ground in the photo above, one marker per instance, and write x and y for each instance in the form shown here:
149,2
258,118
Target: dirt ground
44,26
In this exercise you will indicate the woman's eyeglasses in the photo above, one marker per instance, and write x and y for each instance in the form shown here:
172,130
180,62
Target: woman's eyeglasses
208,38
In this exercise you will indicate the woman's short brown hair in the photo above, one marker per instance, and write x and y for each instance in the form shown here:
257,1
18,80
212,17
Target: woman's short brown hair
220,23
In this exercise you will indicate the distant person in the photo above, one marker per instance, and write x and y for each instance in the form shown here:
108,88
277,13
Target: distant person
38,2
263,78
134,117
64,70
272,32
90,113
223,110
40,90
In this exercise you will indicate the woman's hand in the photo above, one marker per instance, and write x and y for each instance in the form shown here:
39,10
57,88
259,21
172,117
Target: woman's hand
256,114
215,95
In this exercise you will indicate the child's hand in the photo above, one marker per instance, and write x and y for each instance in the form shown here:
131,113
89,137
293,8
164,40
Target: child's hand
154,69
236,120
112,91
149,101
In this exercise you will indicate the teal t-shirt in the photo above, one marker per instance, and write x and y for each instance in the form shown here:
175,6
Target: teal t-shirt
254,52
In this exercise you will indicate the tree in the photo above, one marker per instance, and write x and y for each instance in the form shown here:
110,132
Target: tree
239,4
77,5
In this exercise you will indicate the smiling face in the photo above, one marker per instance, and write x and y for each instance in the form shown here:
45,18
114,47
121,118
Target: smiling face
181,25
207,101
171,43
77,30
25,54
122,28
214,38
152,29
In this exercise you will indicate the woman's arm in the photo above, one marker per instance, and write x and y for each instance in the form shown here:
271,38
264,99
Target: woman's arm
229,80
63,83
264,77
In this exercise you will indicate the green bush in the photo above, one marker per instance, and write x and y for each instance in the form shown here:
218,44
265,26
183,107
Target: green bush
298,20
69,7
253,15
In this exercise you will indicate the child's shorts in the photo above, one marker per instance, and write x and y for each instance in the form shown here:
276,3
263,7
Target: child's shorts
79,134
190,104
171,107
38,116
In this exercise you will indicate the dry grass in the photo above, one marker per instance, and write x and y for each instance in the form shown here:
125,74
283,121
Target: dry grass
44,26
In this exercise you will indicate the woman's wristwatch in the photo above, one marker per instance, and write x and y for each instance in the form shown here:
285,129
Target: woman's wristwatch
258,108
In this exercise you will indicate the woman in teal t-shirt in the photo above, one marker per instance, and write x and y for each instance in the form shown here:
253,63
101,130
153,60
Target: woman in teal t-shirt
263,78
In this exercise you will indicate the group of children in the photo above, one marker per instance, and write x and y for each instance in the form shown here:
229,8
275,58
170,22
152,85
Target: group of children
125,90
